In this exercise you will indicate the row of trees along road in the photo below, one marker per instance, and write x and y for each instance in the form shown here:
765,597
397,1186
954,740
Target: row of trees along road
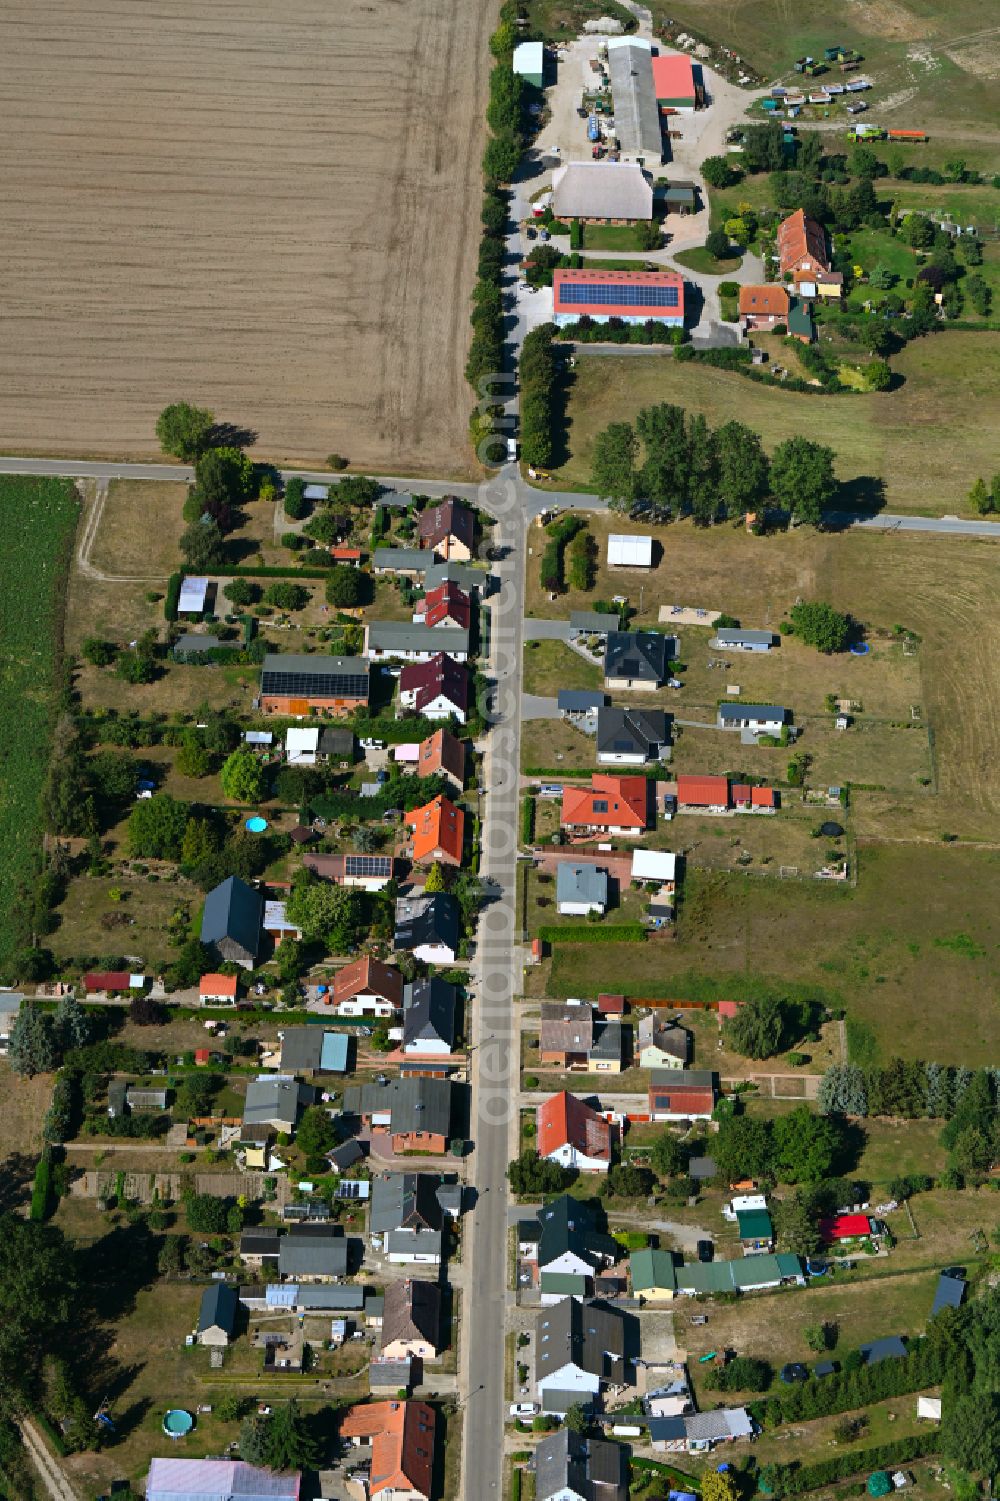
680,466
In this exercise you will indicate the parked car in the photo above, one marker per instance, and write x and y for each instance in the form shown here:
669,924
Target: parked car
523,1409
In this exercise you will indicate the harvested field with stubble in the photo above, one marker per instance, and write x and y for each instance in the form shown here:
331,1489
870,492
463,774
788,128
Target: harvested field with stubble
271,211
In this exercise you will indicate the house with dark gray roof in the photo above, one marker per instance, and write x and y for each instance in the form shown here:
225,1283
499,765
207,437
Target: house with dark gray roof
313,1258
413,643
734,638
428,927
260,1247
416,1202
429,1016
631,737
217,1315
660,1042
571,1468
580,1348
949,1293
567,1239
890,1348
578,703
635,660
276,1101
758,719
417,1113
410,562
231,922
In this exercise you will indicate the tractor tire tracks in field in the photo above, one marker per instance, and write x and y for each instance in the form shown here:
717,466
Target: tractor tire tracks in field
55,1482
88,535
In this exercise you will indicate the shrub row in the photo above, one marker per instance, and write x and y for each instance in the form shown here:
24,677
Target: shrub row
172,596
527,820
793,1480
626,932
559,533
63,1112
586,331
540,396
847,1390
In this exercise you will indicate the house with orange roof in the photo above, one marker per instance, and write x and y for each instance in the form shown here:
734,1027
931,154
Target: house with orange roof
573,1134
366,988
402,1437
761,307
703,794
442,754
438,831
610,805
218,990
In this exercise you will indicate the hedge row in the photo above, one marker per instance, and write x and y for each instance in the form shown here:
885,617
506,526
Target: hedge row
559,534
540,397
527,819
586,331
626,932
846,1390
793,1480
172,595
650,772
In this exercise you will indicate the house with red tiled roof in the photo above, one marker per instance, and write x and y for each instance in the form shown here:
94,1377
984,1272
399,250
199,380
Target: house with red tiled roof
442,754
802,256
610,805
445,606
449,529
703,794
367,988
436,689
682,1094
747,799
764,306
438,831
401,1435
573,1134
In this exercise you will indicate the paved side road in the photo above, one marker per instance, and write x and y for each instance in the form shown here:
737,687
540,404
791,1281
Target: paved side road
533,501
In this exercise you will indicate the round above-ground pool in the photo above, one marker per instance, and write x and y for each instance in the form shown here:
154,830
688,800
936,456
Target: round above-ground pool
256,825
177,1422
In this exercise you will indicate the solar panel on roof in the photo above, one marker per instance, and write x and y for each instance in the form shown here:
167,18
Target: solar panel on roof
618,294
368,865
315,684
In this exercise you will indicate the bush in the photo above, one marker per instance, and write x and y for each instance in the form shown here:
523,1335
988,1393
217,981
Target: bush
287,596
729,289
336,462
296,505
172,597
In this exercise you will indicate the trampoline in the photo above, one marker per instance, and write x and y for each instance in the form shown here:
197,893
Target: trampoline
177,1422
256,825
860,649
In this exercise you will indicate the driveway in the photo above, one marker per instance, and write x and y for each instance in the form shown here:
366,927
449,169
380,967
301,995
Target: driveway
535,706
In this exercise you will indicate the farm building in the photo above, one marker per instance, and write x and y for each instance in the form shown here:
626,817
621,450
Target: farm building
735,639
759,719
297,686
602,193
529,62
635,659
637,118
631,296
581,889
673,83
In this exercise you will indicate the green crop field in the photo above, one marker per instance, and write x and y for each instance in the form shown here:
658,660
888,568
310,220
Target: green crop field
927,441
37,519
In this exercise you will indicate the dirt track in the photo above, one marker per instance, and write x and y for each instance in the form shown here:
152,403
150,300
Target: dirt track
270,210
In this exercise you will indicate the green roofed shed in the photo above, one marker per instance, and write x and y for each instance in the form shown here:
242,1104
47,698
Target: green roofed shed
754,1224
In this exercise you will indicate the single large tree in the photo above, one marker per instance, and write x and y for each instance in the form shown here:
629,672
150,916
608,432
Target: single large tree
184,430
290,1443
71,1024
806,1146
820,625
315,1134
326,913
345,587
744,471
802,478
33,1047
156,827
243,777
203,546
758,1028
613,465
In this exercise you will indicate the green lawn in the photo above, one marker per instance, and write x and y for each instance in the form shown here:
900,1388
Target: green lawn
698,259
38,518
871,950
551,665
927,441
612,237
